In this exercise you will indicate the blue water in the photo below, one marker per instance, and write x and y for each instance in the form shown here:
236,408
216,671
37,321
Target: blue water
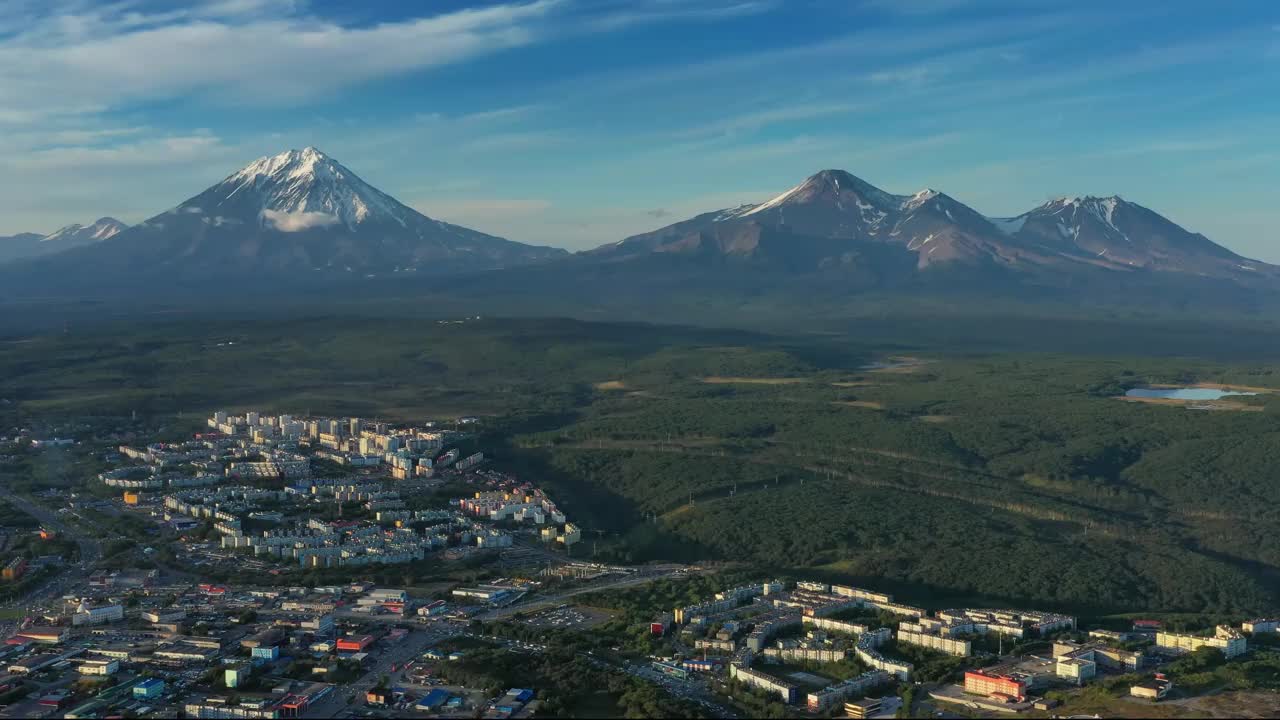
1183,393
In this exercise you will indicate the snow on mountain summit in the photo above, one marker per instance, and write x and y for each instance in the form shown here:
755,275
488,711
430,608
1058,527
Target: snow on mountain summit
101,229
303,189
294,211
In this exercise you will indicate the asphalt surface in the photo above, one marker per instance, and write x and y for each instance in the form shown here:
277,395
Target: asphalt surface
541,602
90,554
353,695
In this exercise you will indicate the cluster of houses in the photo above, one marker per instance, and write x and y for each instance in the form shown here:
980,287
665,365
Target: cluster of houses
747,628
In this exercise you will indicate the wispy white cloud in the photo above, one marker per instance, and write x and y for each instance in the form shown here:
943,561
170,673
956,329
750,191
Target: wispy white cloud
157,151
113,58
781,111
637,12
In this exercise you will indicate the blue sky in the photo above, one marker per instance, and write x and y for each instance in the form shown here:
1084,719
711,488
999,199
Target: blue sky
578,122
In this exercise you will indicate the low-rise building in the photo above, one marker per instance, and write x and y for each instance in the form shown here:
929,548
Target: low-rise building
1230,641
1001,687
1261,625
98,666
1154,689
354,644
864,708
88,614
764,681
950,646
820,700
867,652
48,635
149,689
493,594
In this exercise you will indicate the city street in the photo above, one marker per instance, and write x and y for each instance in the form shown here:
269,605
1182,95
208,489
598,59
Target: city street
90,553
541,602
408,649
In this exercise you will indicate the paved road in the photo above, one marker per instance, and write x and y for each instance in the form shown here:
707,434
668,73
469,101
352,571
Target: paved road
353,695
90,553
541,602
90,548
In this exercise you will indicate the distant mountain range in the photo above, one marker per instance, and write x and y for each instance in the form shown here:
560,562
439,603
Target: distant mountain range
834,219
24,245
300,218
294,213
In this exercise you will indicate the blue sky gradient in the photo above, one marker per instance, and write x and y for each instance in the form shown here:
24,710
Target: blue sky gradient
578,122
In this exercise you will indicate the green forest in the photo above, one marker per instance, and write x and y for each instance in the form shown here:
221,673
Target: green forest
953,476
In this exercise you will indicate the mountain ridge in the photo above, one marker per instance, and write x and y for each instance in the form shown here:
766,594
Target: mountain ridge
27,245
1064,235
289,214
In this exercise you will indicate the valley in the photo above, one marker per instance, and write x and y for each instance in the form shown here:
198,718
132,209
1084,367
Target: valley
681,444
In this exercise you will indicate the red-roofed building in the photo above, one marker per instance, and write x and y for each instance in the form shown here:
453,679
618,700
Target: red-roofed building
354,643
293,706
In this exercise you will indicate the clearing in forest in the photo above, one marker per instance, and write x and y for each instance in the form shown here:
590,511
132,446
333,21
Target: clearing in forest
870,404
719,380
1196,404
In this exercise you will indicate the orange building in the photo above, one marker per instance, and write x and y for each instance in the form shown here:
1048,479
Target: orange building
354,644
14,569
132,498
997,687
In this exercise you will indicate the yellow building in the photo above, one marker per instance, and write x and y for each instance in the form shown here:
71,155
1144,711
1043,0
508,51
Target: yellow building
1230,641
132,498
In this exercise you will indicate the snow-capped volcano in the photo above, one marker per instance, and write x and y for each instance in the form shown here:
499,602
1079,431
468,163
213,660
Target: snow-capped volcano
297,211
831,201
830,206
1117,233
299,189
836,219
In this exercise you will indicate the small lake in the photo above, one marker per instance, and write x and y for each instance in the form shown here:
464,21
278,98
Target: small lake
1190,393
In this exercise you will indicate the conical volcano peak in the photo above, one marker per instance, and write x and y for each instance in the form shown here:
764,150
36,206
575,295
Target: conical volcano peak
831,187
841,181
291,163
304,181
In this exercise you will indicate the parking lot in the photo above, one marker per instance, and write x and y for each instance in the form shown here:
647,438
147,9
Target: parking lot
569,617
